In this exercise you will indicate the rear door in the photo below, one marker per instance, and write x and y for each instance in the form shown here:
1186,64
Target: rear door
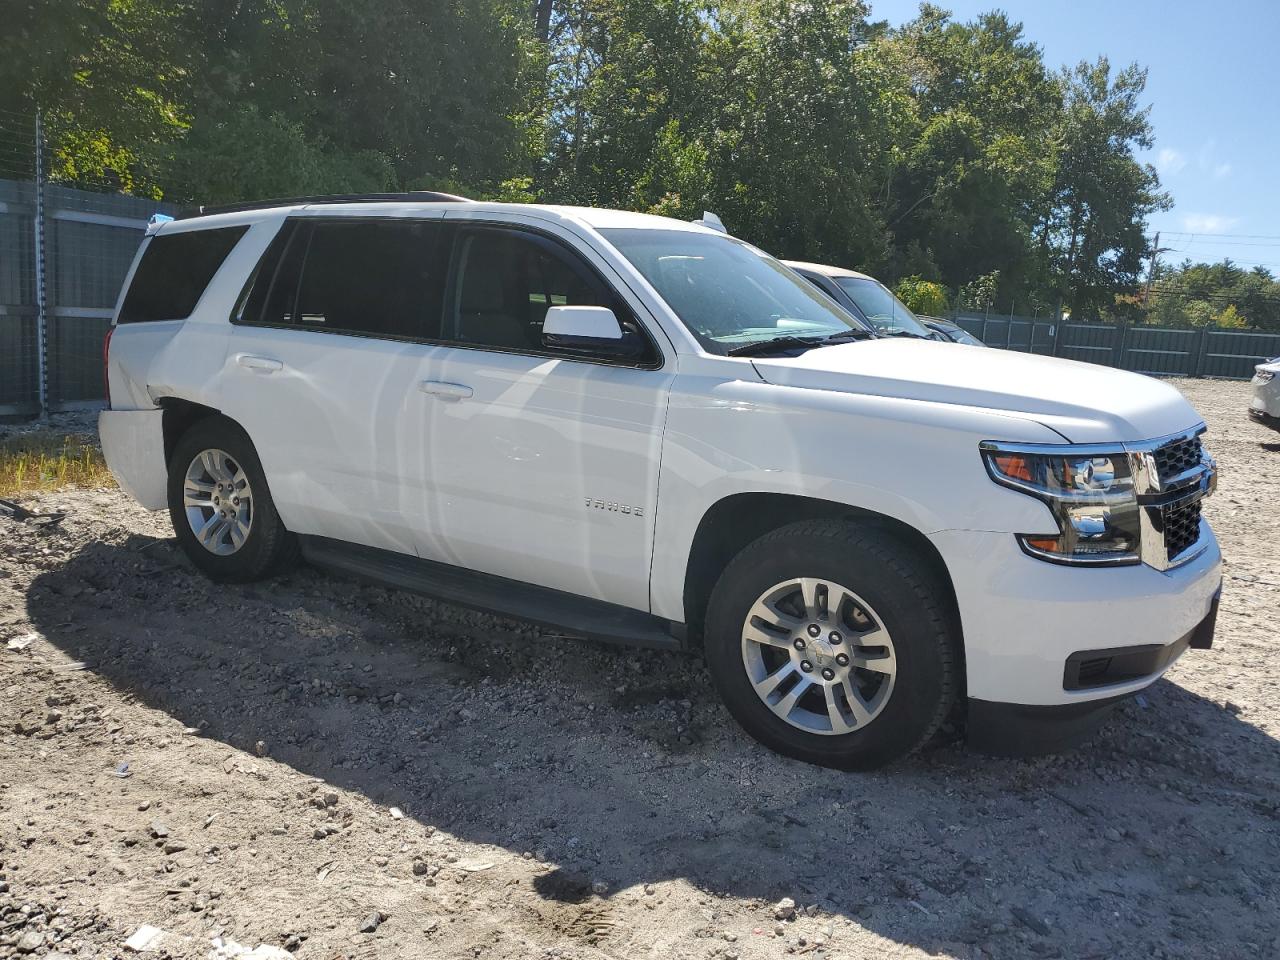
543,468
323,370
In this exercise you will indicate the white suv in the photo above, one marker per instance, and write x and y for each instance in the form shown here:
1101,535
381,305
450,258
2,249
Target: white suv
645,430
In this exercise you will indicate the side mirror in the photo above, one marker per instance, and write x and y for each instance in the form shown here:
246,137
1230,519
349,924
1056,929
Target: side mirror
563,325
590,331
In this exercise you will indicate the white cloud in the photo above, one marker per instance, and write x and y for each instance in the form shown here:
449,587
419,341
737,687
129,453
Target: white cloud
1169,161
1208,223
1221,170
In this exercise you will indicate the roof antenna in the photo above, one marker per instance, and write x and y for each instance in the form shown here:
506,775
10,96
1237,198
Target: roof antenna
711,221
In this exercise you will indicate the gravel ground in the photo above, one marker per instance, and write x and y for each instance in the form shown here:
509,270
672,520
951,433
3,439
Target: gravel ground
335,770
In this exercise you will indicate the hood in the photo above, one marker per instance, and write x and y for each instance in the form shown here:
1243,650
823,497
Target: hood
1084,402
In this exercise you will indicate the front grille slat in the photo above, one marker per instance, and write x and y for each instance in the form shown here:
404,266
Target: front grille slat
1176,458
1181,526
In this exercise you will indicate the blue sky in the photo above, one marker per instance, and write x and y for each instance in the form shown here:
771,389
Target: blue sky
1213,83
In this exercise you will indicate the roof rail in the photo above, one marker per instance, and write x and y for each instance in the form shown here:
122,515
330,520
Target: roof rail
419,196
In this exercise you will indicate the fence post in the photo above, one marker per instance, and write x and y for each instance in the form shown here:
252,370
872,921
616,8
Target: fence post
1122,339
42,334
1202,350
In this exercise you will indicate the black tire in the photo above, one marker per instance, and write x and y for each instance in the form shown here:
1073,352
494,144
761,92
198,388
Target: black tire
268,548
906,595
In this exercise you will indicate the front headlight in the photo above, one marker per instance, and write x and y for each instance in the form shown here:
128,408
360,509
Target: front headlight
1091,496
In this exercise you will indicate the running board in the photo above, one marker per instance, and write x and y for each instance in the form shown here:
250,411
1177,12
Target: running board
581,616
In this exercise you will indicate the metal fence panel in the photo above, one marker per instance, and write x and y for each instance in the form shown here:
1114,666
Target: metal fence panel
1091,343
19,387
1026,334
1159,350
1234,353
92,239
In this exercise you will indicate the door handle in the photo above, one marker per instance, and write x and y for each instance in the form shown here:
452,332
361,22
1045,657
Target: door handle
262,364
445,391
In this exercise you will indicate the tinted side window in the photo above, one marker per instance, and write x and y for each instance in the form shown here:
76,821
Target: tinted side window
382,278
507,280
174,270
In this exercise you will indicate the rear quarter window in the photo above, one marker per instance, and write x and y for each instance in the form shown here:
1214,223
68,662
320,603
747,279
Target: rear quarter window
174,270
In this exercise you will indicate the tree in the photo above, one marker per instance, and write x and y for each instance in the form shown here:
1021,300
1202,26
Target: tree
623,82
806,122
241,153
923,296
1231,319
975,167
1093,234
109,78
440,90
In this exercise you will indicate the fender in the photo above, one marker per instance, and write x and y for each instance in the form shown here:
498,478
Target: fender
885,455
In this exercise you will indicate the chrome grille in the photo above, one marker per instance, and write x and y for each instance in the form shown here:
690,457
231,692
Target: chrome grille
1176,458
1181,521
1172,475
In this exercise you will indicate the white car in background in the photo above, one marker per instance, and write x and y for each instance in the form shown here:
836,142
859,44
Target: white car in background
1265,403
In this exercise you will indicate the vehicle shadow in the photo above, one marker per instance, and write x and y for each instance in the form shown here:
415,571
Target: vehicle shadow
622,766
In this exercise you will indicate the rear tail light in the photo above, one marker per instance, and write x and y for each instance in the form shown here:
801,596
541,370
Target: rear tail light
106,371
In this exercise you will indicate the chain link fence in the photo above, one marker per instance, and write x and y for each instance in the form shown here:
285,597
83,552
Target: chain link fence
64,254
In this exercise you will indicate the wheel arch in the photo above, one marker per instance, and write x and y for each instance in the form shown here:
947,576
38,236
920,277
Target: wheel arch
180,415
735,521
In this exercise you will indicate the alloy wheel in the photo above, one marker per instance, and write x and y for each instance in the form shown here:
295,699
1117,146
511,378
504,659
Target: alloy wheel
218,502
818,656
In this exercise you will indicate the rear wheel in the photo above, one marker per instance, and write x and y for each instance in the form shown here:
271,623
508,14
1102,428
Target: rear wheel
831,644
221,507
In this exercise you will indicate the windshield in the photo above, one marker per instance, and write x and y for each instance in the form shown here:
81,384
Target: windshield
727,292
885,311
960,335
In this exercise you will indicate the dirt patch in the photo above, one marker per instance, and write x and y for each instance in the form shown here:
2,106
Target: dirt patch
337,770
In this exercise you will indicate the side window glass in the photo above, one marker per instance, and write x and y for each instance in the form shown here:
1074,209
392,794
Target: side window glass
382,278
174,270
275,291
506,282
378,277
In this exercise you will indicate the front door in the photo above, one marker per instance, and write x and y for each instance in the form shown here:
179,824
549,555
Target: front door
543,468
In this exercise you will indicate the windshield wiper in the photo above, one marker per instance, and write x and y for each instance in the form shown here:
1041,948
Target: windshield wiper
789,342
846,336
759,347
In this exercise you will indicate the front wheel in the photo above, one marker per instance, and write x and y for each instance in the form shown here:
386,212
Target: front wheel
832,644
221,508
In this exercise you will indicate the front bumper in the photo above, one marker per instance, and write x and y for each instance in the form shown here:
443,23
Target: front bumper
1018,730
1023,619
